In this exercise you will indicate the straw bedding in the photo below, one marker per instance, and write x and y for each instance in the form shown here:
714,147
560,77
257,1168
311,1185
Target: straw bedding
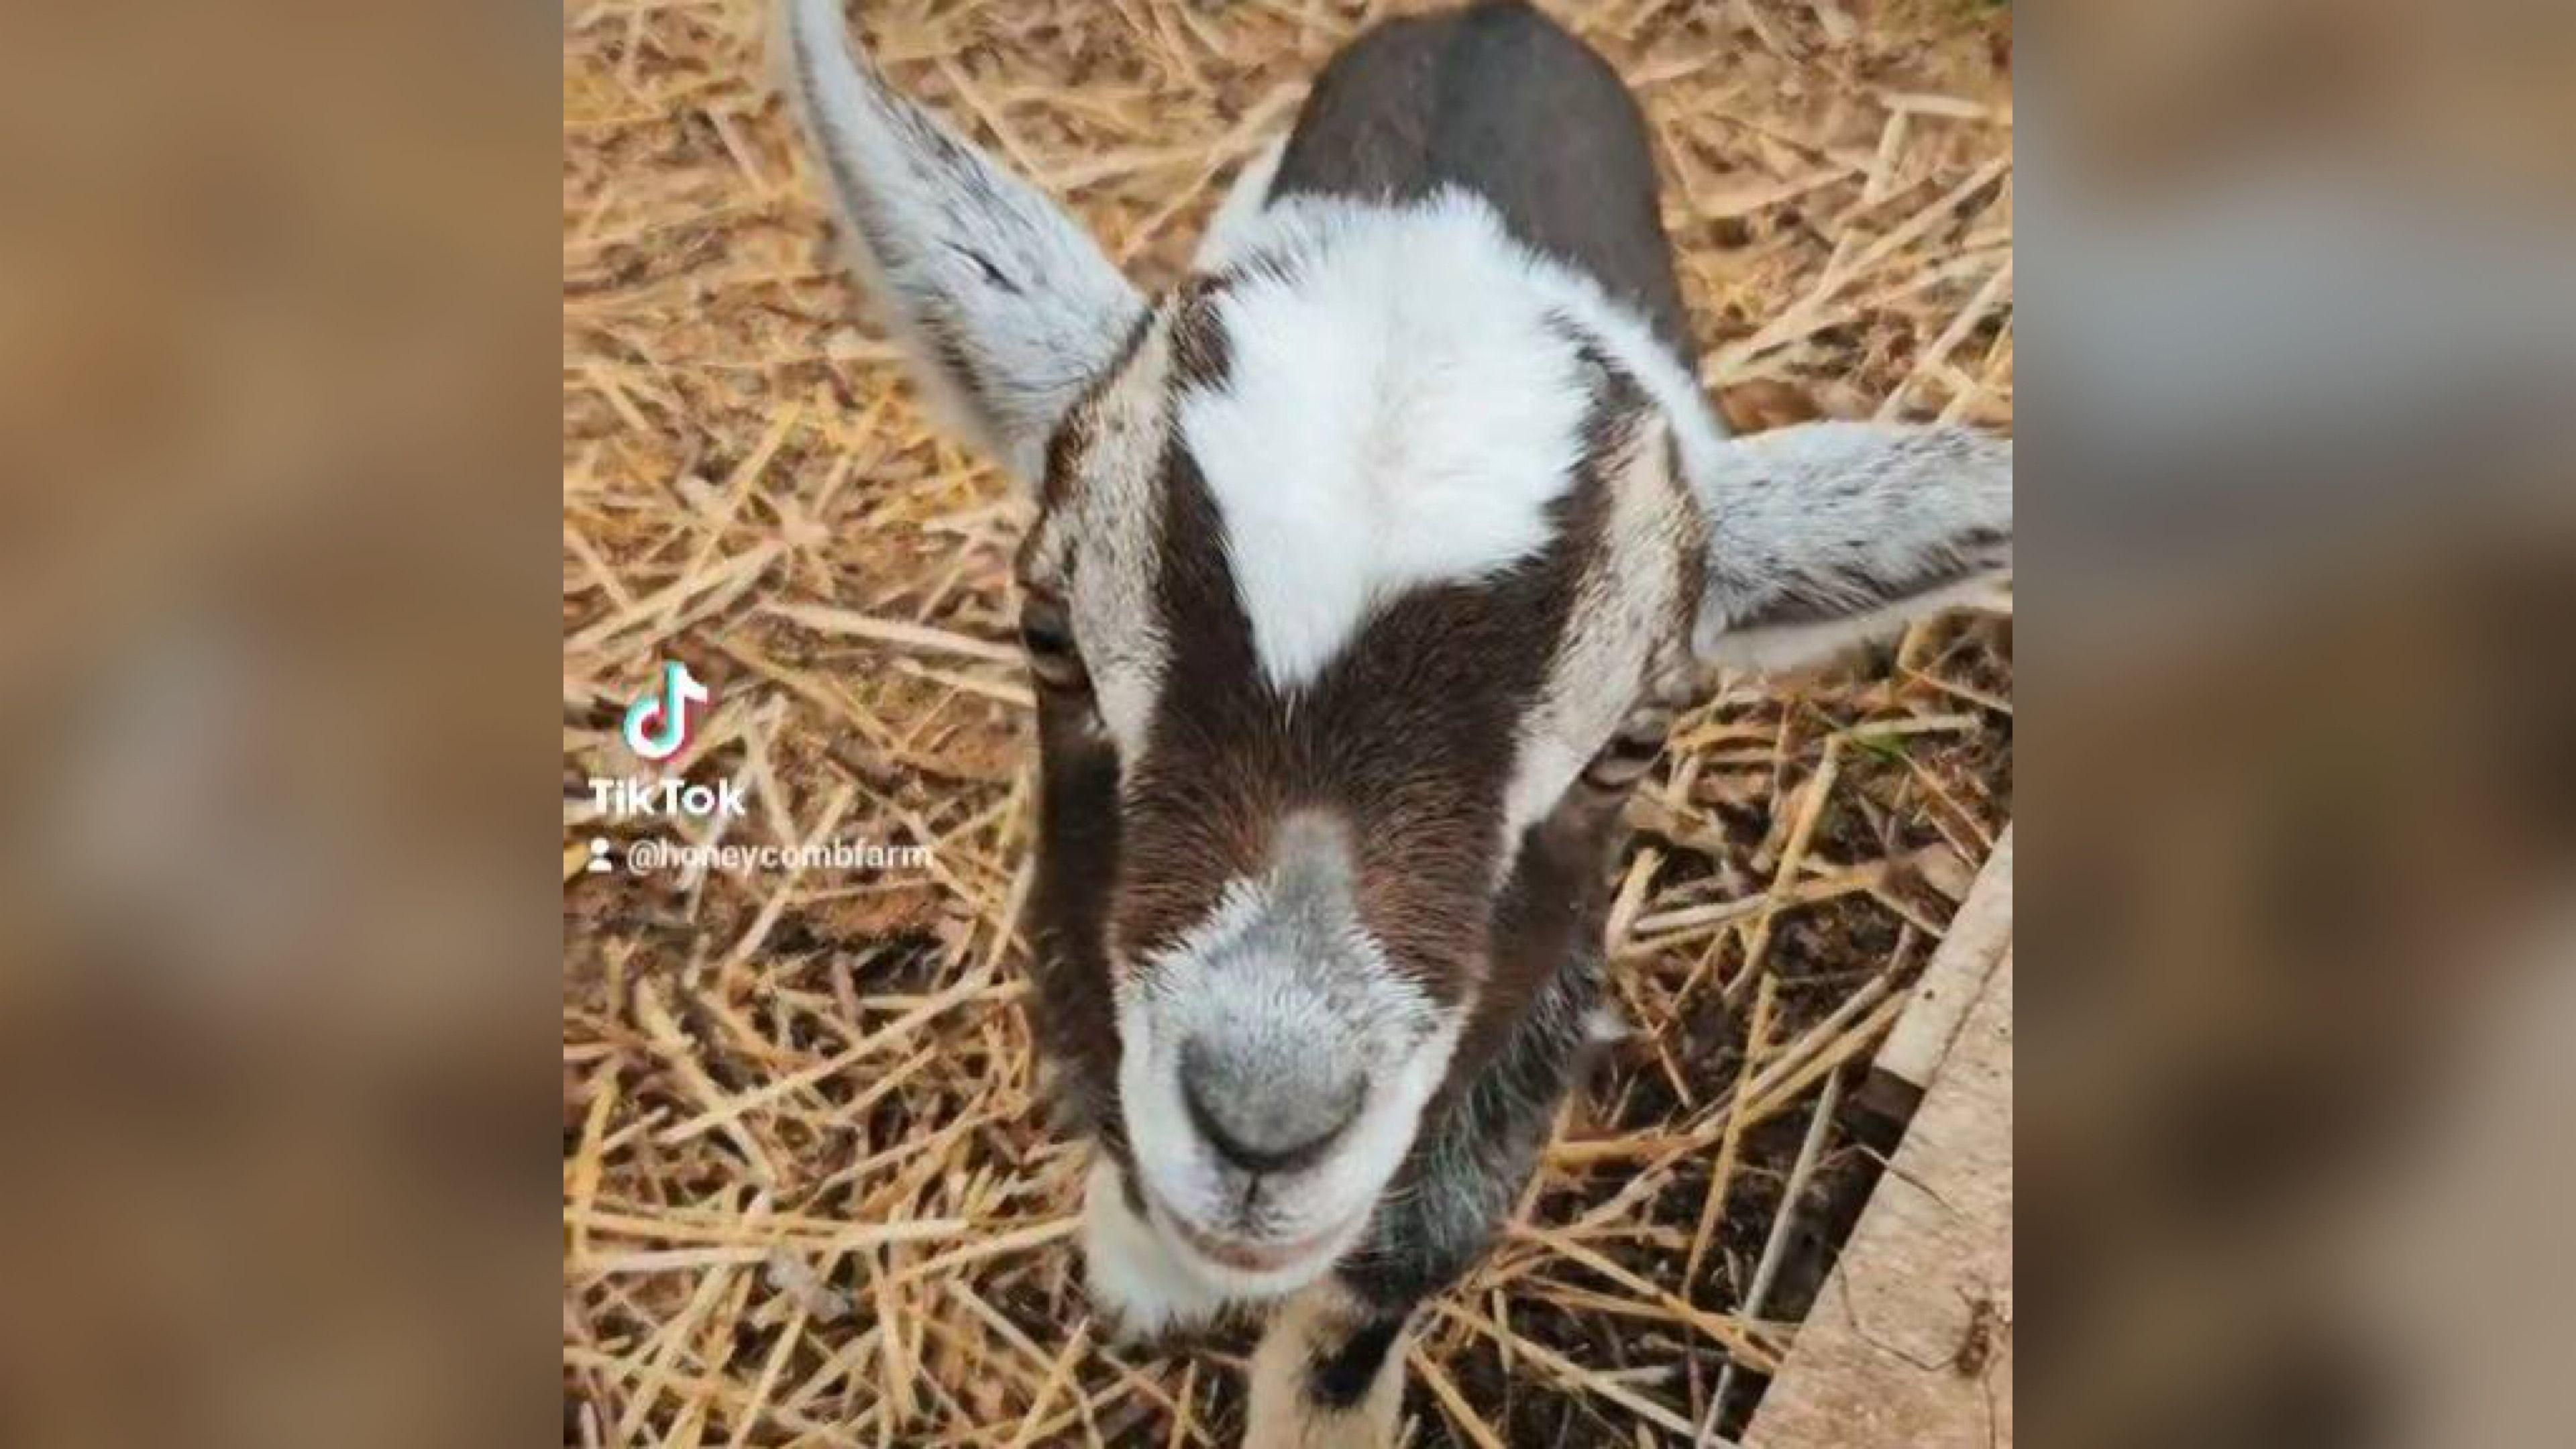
807,1196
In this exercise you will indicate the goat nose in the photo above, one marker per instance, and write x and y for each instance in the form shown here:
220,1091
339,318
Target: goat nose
1266,1113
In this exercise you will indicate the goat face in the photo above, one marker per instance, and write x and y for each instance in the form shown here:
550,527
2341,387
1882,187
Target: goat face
1365,564
1362,550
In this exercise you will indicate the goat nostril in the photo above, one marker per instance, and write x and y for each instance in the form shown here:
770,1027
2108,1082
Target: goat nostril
1265,1128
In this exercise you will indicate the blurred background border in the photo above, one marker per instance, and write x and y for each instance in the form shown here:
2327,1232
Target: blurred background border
278,952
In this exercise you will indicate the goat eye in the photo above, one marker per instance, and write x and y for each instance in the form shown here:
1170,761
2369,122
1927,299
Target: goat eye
1630,752
1046,634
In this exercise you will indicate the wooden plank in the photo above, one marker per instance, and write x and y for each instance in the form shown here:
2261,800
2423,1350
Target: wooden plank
1978,937
1910,1344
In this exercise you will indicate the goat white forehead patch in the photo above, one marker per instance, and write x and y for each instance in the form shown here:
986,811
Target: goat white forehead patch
1398,411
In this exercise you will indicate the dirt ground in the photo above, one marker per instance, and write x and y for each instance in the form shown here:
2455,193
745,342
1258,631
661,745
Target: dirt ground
808,1199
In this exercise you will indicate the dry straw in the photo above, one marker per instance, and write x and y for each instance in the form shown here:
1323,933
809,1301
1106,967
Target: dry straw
808,1196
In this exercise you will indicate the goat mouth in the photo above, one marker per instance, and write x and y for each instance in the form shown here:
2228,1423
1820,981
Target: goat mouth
1253,1257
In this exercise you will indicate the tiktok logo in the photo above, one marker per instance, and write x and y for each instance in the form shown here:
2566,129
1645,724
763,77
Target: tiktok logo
661,724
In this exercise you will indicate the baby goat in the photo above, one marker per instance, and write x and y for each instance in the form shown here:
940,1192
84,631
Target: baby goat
1369,562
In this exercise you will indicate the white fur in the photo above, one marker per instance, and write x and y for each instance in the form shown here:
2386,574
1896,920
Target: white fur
1133,1277
1402,411
1837,516
1399,413
1112,519
1876,500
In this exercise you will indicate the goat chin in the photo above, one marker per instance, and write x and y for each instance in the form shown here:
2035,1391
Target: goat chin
1148,1281
1136,1281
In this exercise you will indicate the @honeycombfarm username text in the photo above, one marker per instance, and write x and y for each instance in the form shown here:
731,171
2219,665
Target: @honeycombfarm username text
653,855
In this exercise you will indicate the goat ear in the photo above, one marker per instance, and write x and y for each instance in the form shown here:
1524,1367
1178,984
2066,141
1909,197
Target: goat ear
1825,534
1005,305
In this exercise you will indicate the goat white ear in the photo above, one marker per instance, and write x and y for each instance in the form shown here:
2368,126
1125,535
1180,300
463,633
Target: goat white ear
1825,534
1004,304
